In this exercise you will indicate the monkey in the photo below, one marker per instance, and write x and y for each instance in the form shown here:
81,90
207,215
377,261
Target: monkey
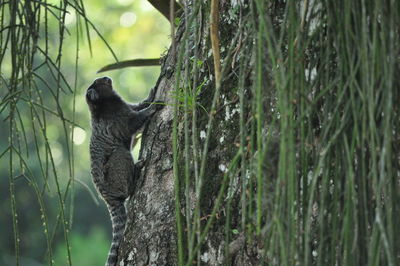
113,123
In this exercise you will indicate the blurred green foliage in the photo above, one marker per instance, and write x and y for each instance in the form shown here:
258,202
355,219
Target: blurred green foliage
88,250
134,29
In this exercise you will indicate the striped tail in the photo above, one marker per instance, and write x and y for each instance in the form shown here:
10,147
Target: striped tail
118,220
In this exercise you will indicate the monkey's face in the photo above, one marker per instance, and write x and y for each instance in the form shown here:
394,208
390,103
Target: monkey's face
100,89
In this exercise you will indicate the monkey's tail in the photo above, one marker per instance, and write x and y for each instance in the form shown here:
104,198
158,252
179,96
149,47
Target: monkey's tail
118,220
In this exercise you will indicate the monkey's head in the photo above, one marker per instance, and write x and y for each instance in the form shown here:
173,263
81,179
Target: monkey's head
100,95
101,89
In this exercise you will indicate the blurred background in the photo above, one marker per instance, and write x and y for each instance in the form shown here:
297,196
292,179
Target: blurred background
133,29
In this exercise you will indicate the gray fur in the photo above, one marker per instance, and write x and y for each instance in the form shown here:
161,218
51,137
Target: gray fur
114,122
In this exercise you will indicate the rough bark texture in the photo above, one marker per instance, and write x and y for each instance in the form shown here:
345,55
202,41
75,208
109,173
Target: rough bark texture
150,238
150,234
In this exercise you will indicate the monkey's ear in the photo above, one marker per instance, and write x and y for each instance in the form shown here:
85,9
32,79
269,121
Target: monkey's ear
92,95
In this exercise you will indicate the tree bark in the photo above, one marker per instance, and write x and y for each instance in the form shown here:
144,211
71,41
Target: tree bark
151,236
150,232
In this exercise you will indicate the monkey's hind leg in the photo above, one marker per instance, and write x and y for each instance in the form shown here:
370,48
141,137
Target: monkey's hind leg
118,175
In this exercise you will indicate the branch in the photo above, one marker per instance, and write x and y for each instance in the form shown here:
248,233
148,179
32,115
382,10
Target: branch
131,63
214,20
163,7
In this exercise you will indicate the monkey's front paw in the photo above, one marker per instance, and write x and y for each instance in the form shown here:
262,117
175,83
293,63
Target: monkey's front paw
92,94
158,105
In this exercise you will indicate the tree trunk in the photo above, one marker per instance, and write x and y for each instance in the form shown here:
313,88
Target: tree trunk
151,237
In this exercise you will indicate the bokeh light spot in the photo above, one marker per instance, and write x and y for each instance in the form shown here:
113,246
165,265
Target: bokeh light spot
79,136
125,2
127,19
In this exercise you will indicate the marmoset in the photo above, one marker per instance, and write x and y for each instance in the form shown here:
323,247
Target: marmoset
114,122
